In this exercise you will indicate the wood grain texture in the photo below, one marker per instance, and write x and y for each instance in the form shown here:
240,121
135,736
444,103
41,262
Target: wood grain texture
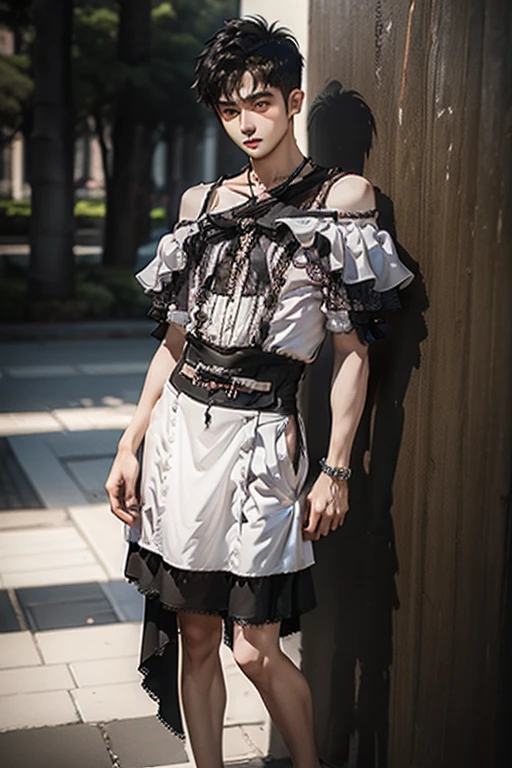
432,510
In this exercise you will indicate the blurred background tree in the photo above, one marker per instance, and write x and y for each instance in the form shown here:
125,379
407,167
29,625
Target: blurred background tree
16,83
125,69
52,150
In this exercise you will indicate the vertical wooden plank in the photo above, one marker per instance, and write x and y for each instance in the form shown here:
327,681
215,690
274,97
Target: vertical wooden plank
437,77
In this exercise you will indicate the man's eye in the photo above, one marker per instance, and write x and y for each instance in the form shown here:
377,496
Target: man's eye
229,112
261,104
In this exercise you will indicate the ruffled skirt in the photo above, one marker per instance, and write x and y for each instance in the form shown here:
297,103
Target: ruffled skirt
220,531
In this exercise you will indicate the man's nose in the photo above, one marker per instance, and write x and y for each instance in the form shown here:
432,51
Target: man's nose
246,122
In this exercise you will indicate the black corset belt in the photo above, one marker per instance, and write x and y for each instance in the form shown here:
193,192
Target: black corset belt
245,378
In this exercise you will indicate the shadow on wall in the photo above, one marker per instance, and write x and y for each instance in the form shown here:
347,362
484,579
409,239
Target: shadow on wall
347,642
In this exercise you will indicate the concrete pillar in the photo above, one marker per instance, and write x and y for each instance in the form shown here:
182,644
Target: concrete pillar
210,150
17,168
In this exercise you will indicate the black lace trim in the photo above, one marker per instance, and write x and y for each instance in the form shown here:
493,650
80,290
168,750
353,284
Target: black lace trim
262,600
244,600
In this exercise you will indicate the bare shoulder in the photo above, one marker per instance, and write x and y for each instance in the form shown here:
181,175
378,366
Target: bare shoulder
351,193
192,201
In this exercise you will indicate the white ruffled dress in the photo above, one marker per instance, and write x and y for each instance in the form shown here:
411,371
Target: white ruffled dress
228,498
222,506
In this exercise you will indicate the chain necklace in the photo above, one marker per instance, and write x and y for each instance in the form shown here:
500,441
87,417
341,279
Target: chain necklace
280,187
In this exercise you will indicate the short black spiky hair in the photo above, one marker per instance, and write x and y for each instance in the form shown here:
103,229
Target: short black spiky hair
269,52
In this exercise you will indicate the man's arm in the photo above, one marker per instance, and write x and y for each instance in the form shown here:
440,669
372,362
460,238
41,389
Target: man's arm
327,502
122,479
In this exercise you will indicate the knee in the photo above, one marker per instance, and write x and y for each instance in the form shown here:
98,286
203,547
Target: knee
252,661
201,637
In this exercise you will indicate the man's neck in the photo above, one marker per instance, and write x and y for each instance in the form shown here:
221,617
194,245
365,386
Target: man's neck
279,164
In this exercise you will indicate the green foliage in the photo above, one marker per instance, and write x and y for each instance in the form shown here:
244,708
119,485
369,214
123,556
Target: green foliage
16,83
101,293
128,298
96,299
90,208
16,88
89,214
14,207
96,74
164,99
164,95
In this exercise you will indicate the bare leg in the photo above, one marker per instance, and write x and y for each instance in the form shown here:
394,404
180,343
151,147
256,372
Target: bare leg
282,687
202,686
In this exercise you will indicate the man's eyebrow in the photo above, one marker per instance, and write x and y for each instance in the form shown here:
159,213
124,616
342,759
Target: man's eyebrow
259,95
252,97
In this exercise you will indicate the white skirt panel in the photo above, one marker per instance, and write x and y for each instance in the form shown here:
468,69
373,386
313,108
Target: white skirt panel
224,497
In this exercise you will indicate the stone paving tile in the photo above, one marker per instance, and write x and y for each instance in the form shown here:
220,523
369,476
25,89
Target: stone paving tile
18,649
66,605
183,765
53,747
45,560
51,482
244,703
67,575
33,541
27,423
259,736
226,656
106,671
118,369
53,677
40,371
85,350
109,641
74,445
103,532
119,701
8,619
145,741
127,601
95,418
32,710
16,490
236,746
32,518
90,475
78,392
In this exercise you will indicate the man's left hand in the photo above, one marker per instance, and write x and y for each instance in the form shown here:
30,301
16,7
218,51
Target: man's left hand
326,507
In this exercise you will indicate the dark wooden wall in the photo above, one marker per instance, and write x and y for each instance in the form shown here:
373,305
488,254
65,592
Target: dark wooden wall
407,653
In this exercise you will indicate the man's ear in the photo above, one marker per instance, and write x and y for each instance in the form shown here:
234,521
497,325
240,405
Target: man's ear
295,101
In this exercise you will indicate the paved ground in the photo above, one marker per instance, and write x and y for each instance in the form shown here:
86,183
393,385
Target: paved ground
69,623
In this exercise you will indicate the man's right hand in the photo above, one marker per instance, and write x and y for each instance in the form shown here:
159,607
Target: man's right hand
120,487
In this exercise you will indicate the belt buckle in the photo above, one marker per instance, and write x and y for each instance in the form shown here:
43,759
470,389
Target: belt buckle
232,391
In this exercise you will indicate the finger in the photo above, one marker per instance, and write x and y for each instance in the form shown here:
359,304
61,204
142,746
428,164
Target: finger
313,521
306,513
131,502
116,505
310,532
339,519
325,522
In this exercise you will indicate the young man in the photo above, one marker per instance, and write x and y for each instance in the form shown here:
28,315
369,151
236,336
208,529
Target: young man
260,266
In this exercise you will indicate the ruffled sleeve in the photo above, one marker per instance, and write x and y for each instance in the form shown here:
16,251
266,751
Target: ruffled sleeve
165,278
356,264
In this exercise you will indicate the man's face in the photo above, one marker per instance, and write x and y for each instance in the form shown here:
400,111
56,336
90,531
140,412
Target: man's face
256,117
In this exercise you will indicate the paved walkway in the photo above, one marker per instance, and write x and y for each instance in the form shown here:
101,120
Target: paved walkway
70,625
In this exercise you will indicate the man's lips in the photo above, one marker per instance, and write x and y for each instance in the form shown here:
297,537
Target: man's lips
251,143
